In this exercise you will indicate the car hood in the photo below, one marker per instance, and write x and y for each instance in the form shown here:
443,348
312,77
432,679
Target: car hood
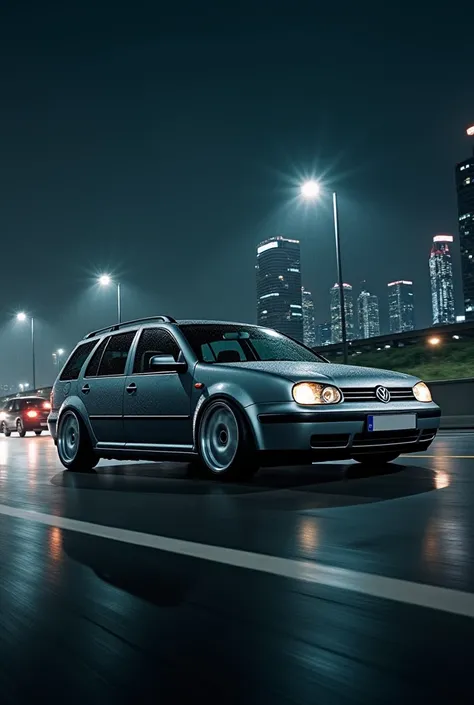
340,375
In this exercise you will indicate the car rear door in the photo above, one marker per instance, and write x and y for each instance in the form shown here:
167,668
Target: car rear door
157,404
102,387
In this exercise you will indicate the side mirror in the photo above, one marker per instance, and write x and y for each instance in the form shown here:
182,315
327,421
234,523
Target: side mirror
166,363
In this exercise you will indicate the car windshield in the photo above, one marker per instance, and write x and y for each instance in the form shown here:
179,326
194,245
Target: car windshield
230,343
33,402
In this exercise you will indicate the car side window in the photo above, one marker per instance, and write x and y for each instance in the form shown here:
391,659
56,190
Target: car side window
93,366
153,342
16,406
115,354
73,366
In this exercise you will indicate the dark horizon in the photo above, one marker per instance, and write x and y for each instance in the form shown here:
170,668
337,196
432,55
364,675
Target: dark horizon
162,146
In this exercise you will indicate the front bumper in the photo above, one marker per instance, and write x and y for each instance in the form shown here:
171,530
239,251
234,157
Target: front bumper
341,431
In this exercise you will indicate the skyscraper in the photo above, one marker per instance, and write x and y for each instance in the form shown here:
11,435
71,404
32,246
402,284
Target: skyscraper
401,309
309,331
464,174
368,313
279,286
323,334
441,276
336,327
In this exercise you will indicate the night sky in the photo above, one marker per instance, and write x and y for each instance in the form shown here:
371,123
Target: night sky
161,145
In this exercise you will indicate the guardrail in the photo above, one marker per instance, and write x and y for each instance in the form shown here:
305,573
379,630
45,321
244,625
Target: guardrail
456,399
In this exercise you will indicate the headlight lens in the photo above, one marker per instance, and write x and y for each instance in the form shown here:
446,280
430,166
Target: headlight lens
422,392
312,393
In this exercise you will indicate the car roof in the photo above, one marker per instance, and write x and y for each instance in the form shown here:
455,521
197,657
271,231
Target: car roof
153,322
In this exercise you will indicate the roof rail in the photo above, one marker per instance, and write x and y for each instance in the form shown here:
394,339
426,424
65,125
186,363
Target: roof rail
117,326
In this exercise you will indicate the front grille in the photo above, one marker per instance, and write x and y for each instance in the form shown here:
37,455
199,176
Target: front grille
385,438
368,394
333,440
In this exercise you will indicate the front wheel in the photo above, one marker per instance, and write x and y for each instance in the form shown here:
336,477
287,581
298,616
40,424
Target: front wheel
225,444
74,444
20,428
5,430
376,458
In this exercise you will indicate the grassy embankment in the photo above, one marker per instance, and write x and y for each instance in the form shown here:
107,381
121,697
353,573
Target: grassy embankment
451,359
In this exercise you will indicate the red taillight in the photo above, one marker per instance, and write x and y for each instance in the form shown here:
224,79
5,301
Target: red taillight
47,405
32,414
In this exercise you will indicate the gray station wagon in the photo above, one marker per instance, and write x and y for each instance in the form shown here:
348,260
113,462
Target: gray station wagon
228,398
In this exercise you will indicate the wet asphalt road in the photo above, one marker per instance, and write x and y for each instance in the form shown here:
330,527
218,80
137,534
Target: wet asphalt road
87,619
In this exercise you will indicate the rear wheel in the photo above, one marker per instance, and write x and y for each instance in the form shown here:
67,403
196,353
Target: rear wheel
20,428
5,430
225,444
38,433
376,458
74,444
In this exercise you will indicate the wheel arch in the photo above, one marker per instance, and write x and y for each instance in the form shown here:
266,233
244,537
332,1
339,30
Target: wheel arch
75,404
222,396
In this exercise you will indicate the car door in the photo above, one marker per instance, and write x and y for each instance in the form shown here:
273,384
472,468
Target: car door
102,387
157,403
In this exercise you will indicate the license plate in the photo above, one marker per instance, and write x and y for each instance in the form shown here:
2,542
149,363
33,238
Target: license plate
391,422
43,423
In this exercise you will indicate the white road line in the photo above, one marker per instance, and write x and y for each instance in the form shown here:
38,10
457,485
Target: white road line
419,594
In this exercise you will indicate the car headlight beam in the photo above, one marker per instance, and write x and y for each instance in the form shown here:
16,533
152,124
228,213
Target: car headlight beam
308,393
422,392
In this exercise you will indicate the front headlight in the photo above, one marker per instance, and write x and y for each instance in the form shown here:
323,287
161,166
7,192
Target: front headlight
312,393
422,392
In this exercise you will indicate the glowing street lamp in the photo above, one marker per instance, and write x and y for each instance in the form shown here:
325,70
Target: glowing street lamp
310,191
106,280
22,317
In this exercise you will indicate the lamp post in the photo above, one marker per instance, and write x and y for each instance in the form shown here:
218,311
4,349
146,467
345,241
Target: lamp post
22,317
106,280
310,191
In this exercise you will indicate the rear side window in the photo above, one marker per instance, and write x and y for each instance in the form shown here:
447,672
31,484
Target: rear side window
74,364
93,366
115,354
153,341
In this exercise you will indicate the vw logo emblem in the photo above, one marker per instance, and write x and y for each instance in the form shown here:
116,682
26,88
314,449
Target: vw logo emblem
382,394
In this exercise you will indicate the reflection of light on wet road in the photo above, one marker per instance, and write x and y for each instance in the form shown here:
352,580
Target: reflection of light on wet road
307,535
3,458
442,479
55,543
32,463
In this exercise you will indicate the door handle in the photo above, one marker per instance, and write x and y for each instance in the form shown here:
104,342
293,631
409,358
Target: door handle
131,388
86,389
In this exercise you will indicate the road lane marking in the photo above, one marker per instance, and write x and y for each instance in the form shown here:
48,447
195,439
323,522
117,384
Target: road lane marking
404,591
409,455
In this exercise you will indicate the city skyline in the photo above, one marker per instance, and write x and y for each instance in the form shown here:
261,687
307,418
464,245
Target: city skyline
368,314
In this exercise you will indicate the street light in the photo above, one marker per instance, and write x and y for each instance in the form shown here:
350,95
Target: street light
22,317
310,191
106,280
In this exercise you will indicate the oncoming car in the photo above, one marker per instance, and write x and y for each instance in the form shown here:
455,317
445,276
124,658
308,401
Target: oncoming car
229,398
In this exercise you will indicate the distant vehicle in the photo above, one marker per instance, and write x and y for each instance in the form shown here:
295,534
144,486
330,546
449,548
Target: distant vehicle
23,414
228,397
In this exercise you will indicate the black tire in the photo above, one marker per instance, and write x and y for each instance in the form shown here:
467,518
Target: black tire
5,430
376,458
74,444
38,433
225,443
20,428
